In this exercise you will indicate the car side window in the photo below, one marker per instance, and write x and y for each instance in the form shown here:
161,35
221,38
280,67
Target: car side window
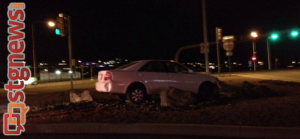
176,68
153,67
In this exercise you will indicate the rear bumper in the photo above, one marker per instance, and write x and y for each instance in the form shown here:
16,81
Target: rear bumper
110,87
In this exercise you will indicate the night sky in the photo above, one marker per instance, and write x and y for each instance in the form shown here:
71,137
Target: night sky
155,29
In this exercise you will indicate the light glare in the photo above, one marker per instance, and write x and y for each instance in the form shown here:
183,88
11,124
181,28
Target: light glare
58,72
294,33
51,24
254,34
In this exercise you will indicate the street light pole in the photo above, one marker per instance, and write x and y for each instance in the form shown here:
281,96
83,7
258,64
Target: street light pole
205,38
254,35
269,54
33,50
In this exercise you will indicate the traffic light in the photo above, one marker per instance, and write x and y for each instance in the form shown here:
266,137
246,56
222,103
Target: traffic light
57,32
60,24
294,33
274,36
253,58
219,34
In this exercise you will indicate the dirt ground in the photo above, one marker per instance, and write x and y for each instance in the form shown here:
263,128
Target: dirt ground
278,110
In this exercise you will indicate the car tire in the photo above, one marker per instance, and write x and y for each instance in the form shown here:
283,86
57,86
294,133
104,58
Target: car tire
136,95
207,92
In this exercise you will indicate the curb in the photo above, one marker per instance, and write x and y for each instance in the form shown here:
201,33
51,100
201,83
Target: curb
165,129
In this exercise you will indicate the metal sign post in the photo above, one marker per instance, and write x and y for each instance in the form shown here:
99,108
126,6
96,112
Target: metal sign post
228,45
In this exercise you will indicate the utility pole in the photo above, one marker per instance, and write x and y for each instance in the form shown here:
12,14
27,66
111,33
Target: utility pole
205,38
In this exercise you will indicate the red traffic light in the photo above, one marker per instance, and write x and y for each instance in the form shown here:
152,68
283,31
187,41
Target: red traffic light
253,58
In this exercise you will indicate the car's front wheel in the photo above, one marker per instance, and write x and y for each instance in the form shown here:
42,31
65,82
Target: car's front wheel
136,95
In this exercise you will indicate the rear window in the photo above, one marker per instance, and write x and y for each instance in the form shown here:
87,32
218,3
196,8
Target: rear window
125,66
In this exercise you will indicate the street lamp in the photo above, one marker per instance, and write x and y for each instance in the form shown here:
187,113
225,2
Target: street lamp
51,24
254,35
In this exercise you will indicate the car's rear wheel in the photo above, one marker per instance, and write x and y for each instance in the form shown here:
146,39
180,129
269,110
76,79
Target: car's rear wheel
136,95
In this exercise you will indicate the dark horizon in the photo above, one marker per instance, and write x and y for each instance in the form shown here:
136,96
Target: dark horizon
156,29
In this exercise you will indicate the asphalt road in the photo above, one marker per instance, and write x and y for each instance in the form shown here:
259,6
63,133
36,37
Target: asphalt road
57,87
284,75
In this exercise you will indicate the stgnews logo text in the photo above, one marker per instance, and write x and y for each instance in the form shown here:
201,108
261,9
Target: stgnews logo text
15,118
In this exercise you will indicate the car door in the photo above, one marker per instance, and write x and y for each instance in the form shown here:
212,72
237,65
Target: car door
179,77
153,74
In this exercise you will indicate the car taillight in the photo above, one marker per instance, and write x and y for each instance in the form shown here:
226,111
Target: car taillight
107,76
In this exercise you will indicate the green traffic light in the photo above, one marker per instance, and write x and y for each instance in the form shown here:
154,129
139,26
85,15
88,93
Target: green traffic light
294,33
57,32
274,36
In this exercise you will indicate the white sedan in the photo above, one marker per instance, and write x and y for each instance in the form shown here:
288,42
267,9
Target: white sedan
138,79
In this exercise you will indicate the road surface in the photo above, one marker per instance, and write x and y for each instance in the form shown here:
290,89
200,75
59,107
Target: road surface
284,75
56,87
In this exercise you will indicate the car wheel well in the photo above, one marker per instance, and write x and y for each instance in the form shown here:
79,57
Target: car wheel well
207,91
205,84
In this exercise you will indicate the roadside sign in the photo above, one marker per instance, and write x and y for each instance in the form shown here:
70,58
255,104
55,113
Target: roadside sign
228,43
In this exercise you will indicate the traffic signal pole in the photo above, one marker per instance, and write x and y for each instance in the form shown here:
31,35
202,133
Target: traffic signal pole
63,30
70,49
269,54
218,49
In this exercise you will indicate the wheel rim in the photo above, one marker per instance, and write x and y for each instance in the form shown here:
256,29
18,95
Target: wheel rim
137,95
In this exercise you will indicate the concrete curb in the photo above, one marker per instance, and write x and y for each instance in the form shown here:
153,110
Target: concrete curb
165,129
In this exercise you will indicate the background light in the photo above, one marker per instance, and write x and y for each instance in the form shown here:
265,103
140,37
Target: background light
254,34
274,36
51,24
58,72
